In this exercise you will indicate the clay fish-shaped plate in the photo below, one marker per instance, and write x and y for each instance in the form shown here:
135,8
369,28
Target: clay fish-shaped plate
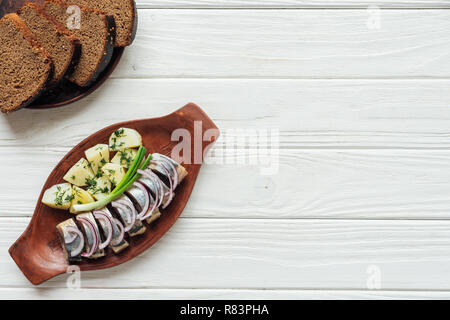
38,252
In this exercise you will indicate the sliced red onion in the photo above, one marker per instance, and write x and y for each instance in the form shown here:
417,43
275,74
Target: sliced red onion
129,210
96,237
166,160
159,192
75,252
147,199
119,239
170,187
175,173
72,235
102,216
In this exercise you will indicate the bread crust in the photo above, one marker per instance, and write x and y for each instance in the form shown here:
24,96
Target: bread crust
135,24
36,47
61,29
108,47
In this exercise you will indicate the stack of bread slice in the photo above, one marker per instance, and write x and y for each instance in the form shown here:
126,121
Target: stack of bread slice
41,46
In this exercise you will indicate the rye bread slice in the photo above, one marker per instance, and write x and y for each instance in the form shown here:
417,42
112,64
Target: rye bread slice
25,66
125,17
63,47
96,34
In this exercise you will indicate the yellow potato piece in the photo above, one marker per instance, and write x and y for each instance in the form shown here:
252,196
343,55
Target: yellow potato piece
80,173
97,156
125,157
114,172
124,138
59,196
101,188
80,197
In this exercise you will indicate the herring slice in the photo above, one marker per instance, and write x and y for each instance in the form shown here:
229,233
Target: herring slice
116,247
72,243
138,228
92,237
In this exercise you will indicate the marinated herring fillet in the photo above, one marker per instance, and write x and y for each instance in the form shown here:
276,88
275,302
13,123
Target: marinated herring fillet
120,207
118,243
72,240
25,66
92,236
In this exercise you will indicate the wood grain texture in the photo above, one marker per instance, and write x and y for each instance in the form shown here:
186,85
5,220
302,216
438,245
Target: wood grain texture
366,184
258,4
272,254
378,114
217,294
371,156
288,44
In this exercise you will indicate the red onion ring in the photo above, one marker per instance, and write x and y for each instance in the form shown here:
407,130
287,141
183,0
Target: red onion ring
100,215
80,247
147,199
119,239
166,160
159,194
170,187
157,199
96,237
175,173
72,235
129,210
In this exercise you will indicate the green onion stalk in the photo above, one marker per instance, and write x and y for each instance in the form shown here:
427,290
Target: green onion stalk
140,162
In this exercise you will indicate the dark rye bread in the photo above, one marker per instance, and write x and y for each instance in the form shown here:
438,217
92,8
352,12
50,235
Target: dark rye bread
124,13
96,36
25,67
63,47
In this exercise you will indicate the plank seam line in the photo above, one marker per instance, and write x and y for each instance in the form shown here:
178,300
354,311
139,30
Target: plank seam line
284,78
306,219
299,8
243,289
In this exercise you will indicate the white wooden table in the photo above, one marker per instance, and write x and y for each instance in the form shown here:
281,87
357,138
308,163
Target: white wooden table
360,206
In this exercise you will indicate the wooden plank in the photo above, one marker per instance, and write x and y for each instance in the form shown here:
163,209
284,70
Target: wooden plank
379,114
217,294
307,184
288,44
316,119
273,254
214,4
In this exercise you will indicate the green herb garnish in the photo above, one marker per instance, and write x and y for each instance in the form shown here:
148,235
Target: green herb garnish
130,177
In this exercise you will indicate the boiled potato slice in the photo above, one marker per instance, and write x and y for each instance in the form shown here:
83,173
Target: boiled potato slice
115,172
101,188
59,196
125,157
80,196
125,138
80,173
97,156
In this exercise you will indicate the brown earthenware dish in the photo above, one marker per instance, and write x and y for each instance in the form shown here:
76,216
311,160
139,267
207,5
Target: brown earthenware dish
38,252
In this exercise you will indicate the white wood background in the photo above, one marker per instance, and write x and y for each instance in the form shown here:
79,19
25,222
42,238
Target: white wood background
364,176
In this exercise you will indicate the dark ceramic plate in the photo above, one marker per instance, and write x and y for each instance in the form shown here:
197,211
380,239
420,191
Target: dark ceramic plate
66,92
